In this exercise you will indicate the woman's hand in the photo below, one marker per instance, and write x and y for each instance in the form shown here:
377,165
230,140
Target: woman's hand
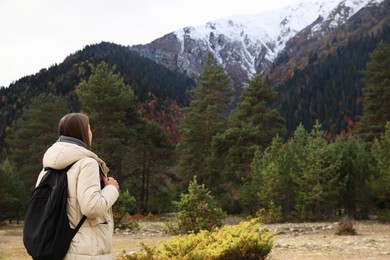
111,181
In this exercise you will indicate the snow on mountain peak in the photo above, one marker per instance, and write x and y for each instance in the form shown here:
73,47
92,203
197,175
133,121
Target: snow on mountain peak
272,29
248,44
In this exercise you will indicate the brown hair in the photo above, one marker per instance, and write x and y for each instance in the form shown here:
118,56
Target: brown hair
75,125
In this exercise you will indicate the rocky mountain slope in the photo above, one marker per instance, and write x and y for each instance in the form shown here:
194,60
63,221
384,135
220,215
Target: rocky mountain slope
246,45
322,38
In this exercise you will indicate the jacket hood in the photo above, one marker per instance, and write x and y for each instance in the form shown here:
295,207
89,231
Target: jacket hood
63,153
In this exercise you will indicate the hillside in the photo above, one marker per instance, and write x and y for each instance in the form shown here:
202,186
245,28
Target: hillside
311,52
317,40
330,89
320,78
150,81
314,63
249,44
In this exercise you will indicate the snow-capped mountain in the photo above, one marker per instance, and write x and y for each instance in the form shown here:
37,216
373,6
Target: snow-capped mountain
246,45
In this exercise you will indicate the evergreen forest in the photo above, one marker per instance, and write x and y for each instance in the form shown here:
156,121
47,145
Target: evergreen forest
328,89
314,148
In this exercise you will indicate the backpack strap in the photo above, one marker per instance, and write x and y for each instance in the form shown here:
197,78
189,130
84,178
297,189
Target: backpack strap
82,220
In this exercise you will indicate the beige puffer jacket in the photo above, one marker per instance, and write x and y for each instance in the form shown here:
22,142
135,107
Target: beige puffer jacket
85,197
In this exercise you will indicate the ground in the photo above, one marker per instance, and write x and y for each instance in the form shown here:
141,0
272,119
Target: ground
314,241
317,241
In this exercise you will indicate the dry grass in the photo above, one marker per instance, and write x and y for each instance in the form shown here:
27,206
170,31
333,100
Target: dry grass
11,240
11,243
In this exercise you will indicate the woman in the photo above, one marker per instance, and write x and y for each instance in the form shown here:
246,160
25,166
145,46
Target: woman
90,191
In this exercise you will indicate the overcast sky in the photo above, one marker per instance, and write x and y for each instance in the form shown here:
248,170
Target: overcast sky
36,34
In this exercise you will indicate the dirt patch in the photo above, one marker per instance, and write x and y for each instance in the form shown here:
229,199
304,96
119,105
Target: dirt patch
293,241
314,241
150,232
317,241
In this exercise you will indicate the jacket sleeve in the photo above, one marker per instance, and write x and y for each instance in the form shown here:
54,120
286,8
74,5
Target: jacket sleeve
93,200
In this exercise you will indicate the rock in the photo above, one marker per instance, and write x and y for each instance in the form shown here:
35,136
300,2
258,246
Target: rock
369,239
277,245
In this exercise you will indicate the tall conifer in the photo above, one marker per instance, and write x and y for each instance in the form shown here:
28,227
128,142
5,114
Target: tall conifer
35,131
136,151
206,116
376,106
252,125
113,112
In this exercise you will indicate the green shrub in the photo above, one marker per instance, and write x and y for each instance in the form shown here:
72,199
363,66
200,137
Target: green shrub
247,240
197,210
384,216
128,223
171,227
123,206
271,215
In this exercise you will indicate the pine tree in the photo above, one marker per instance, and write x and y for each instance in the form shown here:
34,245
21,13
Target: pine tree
275,173
256,108
356,173
381,182
113,112
205,117
13,193
149,177
136,151
35,131
318,180
376,104
197,209
252,125
270,182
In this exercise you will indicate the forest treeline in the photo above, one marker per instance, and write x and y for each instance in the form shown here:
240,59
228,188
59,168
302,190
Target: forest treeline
156,87
328,89
241,155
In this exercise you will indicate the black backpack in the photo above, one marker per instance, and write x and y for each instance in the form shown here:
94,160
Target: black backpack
47,233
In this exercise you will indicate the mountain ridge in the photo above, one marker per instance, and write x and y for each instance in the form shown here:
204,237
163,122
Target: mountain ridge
290,72
246,45
156,87
301,48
